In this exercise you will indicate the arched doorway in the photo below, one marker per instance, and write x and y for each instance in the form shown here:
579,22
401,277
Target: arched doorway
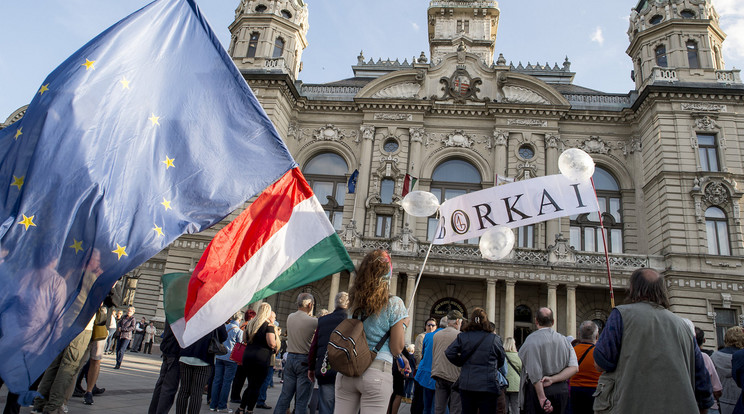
522,323
443,306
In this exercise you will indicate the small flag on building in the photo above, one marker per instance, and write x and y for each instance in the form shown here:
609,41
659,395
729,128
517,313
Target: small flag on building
501,180
353,181
408,184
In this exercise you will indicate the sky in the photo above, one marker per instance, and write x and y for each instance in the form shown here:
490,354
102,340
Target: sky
38,35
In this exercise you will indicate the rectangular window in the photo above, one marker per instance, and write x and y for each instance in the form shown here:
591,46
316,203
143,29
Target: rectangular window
616,241
725,318
575,238
337,221
467,26
708,150
589,245
322,190
384,223
526,236
459,26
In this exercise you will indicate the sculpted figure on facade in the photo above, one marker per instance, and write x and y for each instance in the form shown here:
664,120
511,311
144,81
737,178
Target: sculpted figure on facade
367,132
706,123
328,133
417,134
595,145
458,139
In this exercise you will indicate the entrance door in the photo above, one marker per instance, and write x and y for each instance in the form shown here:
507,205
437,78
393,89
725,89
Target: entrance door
443,306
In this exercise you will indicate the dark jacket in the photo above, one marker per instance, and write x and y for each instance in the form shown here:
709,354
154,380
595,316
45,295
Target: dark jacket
479,362
126,326
169,346
326,325
200,348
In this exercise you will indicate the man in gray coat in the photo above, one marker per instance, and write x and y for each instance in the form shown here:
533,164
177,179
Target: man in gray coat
443,371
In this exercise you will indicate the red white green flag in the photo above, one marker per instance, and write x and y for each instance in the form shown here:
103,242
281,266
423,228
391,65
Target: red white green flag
283,240
408,184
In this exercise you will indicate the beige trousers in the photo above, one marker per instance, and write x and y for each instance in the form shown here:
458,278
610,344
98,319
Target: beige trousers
368,394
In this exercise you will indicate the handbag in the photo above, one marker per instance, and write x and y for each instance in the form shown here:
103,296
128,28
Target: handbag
216,347
237,353
100,332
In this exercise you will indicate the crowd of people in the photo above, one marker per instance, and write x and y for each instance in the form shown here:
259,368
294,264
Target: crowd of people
645,360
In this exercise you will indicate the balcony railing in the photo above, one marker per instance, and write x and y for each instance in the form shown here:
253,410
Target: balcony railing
728,76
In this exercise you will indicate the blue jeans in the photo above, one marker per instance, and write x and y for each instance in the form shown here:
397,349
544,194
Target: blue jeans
295,381
120,348
224,372
265,387
326,398
428,401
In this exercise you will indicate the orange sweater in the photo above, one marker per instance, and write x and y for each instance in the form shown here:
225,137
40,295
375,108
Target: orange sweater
587,375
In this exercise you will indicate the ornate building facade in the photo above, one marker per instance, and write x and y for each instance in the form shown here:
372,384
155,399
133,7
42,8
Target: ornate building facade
669,158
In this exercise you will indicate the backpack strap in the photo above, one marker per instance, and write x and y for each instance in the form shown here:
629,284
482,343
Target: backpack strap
384,338
585,353
512,365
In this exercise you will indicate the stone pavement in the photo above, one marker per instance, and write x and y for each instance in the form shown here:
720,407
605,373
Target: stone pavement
129,389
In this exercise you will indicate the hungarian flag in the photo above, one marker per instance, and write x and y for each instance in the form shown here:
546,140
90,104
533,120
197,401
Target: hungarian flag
283,240
408,184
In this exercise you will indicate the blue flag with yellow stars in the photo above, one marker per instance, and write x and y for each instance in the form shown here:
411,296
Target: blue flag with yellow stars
147,132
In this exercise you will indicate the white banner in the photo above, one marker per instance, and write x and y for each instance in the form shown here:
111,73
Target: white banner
513,205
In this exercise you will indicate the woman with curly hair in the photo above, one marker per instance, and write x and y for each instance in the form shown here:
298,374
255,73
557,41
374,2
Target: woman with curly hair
480,354
261,343
370,299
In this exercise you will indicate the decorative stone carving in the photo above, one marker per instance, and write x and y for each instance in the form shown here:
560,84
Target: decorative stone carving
499,139
726,300
417,134
595,145
526,171
399,91
634,145
328,133
706,123
716,193
458,139
367,132
561,251
552,140
460,87
703,107
527,122
350,234
381,116
518,94
294,131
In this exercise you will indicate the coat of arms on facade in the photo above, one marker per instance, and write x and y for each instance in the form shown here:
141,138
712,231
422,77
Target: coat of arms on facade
460,86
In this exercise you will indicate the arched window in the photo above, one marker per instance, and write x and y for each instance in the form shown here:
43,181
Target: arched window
253,44
260,8
278,47
692,54
286,14
661,56
326,174
450,179
586,234
384,224
716,227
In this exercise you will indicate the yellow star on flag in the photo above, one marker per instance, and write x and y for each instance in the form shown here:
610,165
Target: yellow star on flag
88,64
27,221
159,230
43,89
124,82
120,251
169,162
18,182
77,245
154,119
18,133
166,204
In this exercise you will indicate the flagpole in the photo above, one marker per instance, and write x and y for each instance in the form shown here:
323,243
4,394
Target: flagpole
418,279
607,256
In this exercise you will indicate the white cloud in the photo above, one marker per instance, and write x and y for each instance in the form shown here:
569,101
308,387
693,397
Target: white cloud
729,7
732,23
415,26
597,36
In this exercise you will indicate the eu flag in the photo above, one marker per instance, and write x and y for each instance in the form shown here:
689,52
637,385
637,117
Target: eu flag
147,132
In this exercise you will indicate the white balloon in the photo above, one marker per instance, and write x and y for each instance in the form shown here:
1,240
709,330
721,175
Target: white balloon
576,164
420,203
497,242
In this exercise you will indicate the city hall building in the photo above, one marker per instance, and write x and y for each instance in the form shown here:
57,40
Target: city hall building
669,158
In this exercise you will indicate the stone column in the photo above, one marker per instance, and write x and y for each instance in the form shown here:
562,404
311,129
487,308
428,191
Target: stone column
417,137
509,310
410,283
553,302
394,285
552,227
491,300
500,139
368,136
571,310
335,281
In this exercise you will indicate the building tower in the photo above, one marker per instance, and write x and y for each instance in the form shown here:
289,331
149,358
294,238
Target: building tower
269,36
674,41
471,24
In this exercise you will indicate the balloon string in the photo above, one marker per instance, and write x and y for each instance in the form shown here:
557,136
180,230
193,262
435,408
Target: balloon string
418,279
604,241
